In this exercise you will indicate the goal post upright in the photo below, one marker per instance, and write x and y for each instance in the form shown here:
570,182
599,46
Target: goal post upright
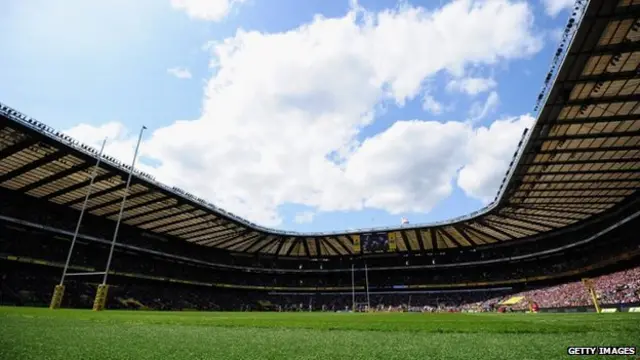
102,291
353,288
58,292
590,287
366,280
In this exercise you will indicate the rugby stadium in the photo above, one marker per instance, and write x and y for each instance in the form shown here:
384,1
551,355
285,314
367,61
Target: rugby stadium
552,262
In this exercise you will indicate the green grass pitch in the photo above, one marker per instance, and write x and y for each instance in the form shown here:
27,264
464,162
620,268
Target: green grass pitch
34,333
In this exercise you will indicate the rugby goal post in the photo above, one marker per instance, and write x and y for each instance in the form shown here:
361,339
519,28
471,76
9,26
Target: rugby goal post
58,291
354,304
591,290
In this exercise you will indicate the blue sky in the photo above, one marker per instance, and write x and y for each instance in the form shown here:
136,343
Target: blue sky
366,120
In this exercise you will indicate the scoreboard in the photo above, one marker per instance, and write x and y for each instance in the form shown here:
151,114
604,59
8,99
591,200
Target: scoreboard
374,242
378,242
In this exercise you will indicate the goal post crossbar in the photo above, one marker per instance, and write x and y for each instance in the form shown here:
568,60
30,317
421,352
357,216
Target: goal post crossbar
87,273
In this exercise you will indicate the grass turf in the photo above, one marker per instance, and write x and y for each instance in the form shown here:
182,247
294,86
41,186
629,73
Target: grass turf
33,333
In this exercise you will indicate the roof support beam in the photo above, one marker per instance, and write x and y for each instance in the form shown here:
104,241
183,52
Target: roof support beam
593,120
167,226
170,226
557,221
581,172
57,176
596,181
611,49
240,242
331,247
78,186
296,240
580,162
207,241
32,165
407,245
555,214
451,238
318,248
198,230
464,235
226,238
221,238
97,194
350,238
487,225
621,75
595,135
17,147
472,230
597,100
144,213
580,201
586,150
282,241
418,236
575,209
265,245
213,241
306,247
536,220
434,240
519,190
119,200
346,248
521,231
167,216
235,240
203,231
527,225
601,196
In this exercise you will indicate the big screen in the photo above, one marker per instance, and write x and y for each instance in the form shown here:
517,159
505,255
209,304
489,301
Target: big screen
376,242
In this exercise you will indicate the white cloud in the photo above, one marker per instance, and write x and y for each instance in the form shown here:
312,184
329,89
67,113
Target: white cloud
212,10
304,217
555,7
409,167
489,152
180,73
480,110
283,113
471,85
431,105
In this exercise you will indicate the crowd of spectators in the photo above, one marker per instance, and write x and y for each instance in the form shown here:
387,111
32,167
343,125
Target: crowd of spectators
28,285
617,288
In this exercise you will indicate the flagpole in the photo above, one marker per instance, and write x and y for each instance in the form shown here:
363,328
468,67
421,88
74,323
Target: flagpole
124,200
94,173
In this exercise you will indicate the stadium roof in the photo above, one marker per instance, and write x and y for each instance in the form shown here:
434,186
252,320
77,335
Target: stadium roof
580,160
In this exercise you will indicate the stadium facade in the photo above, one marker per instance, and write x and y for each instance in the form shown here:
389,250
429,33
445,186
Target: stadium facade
567,207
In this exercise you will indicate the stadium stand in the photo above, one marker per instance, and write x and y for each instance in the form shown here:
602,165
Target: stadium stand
567,209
